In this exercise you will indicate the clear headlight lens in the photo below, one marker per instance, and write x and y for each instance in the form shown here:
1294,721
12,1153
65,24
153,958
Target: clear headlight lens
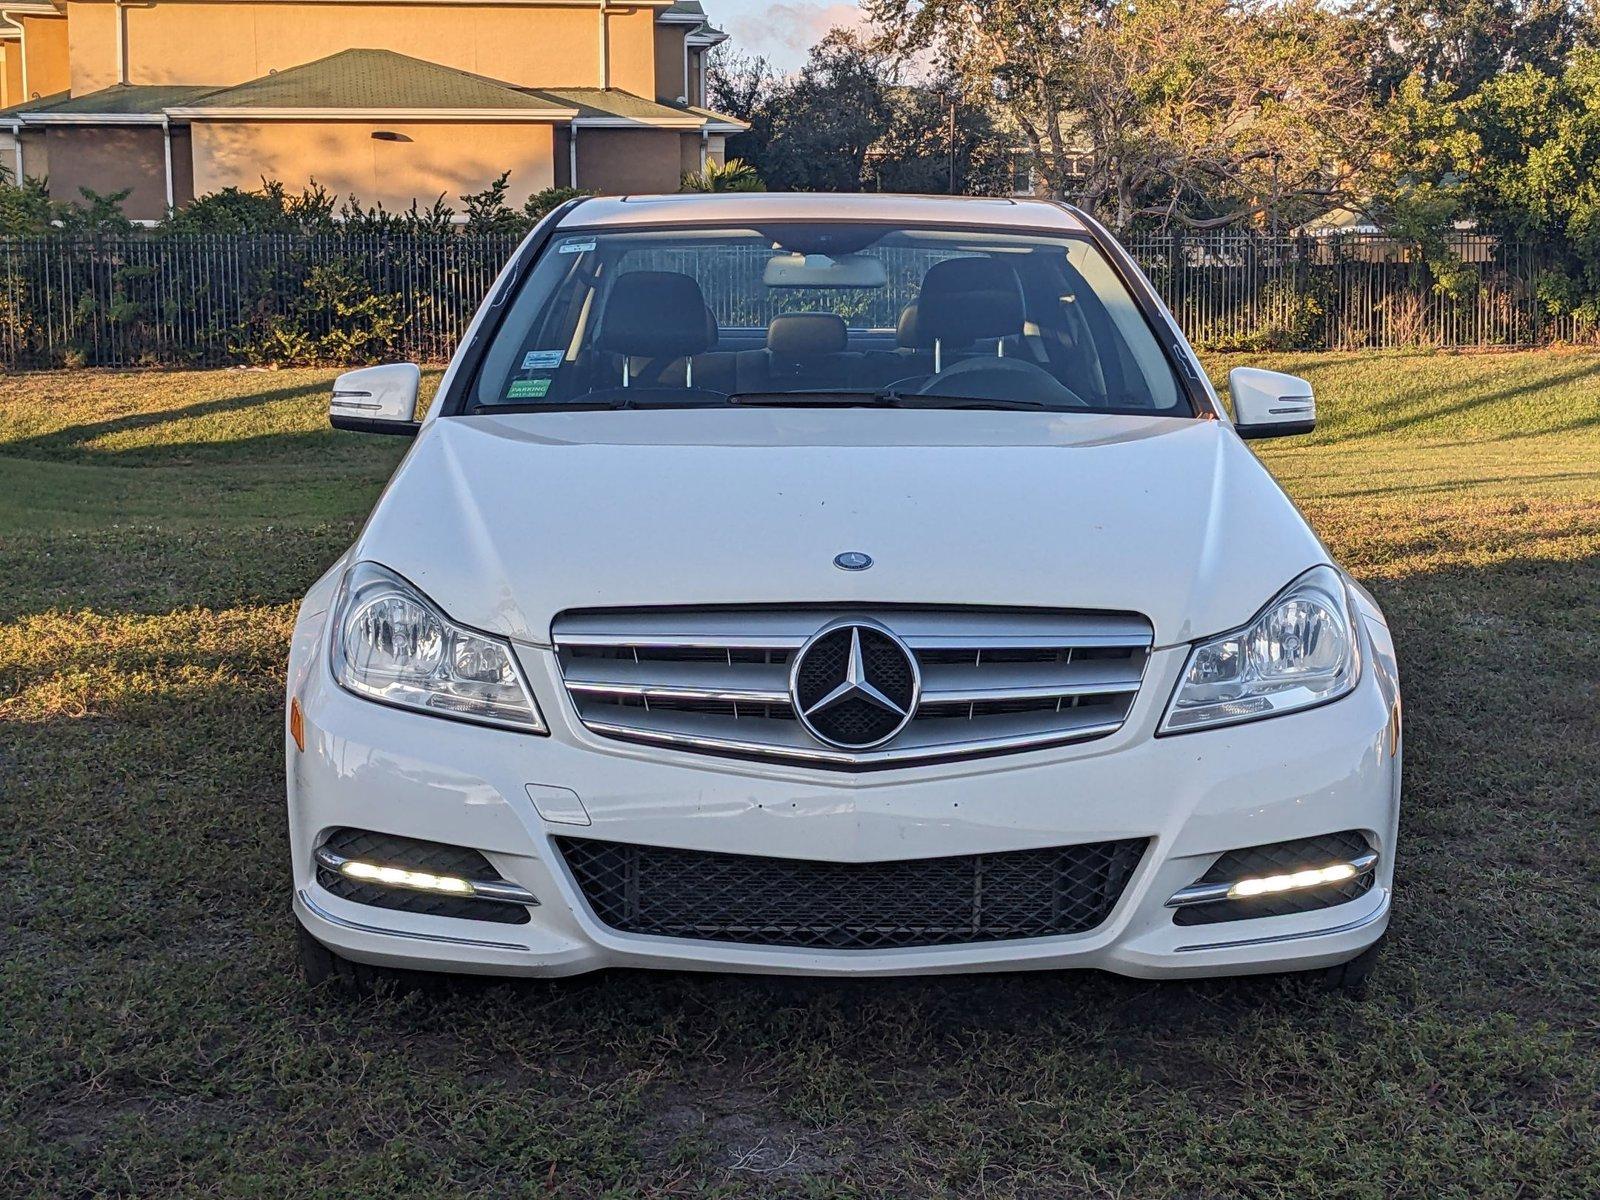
1301,651
392,644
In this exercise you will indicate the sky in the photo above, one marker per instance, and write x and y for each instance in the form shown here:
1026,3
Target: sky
781,30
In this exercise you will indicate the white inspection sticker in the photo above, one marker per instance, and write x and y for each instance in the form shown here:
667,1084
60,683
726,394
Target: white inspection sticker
576,247
541,360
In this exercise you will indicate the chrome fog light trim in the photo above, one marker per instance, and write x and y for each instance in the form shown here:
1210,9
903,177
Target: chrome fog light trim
1272,885
387,875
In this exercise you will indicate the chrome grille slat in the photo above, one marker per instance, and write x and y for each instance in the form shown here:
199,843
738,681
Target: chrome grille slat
717,680
787,740
948,684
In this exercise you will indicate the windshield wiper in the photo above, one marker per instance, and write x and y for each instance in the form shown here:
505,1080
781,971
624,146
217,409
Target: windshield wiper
889,398
917,401
838,399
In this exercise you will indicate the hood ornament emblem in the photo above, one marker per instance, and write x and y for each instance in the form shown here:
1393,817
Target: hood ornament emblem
852,560
854,685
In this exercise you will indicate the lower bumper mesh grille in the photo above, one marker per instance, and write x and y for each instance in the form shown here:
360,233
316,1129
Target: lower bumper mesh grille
851,906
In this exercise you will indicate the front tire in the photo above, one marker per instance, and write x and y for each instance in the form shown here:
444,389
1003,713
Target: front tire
1350,978
319,966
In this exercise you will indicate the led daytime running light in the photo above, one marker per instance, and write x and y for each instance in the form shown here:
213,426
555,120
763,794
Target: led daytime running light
1268,885
421,881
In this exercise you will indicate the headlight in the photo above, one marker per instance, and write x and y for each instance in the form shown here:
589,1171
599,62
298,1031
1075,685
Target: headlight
1301,651
392,644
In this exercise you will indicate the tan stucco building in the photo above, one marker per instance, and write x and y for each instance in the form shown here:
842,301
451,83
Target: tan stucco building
389,100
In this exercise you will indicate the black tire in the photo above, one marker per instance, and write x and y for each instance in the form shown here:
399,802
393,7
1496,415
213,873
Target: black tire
319,966
1350,978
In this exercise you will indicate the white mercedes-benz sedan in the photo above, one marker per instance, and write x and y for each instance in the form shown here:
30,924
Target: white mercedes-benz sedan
836,586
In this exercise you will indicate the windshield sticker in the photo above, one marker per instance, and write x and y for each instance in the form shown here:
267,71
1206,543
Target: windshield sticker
541,360
577,247
528,389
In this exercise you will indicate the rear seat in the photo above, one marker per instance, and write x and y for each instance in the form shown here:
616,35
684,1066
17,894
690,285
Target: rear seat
968,307
804,351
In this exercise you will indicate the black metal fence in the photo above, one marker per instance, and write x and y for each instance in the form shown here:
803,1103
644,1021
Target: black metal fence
209,299
1351,292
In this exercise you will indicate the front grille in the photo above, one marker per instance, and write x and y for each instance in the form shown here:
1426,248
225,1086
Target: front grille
851,906
718,680
1281,858
390,849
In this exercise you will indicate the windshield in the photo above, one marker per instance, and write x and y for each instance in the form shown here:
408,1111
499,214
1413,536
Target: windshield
845,313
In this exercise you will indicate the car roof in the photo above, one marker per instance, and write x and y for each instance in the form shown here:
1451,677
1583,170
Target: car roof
742,208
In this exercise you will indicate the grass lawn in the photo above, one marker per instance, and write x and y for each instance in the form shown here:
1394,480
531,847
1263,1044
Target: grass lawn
155,533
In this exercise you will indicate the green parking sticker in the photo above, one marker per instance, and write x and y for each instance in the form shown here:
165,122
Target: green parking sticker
528,389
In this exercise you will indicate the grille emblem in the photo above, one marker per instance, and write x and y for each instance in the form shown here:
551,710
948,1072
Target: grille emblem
852,560
854,685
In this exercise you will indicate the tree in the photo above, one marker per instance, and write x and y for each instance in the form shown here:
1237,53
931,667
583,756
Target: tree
735,175
825,120
1520,156
1203,113
850,121
25,207
744,86
1459,45
914,154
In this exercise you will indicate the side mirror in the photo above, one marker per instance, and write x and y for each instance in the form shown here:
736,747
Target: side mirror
1270,404
377,400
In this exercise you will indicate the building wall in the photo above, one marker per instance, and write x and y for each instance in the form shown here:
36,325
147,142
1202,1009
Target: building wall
182,166
671,72
697,77
561,149
232,41
106,159
688,153
45,39
633,49
11,74
452,158
628,160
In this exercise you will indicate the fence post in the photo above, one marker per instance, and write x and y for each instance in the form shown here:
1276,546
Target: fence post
1178,281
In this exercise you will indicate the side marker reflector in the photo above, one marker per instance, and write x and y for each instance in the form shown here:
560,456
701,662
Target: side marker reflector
297,725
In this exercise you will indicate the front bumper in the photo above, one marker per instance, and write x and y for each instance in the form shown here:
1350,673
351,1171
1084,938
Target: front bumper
509,795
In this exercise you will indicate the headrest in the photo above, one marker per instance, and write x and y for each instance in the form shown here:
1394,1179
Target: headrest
713,330
905,333
964,300
654,314
806,335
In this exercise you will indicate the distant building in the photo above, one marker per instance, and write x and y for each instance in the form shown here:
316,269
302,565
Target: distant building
391,100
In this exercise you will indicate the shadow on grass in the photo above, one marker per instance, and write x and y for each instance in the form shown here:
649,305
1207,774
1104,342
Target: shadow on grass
77,437
75,443
1414,412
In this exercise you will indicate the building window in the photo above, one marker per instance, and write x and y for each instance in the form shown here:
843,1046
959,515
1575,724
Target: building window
1022,174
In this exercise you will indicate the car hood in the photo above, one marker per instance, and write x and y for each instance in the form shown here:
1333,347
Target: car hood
507,520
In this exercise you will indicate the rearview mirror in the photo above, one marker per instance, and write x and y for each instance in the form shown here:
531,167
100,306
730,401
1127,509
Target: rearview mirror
823,271
1270,404
377,399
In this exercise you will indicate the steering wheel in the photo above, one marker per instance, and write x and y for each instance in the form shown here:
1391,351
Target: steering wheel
1002,379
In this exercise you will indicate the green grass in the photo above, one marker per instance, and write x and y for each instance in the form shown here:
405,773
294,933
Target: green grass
155,532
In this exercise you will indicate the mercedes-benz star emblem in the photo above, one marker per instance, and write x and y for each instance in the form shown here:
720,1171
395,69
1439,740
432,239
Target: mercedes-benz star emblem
854,685
852,560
